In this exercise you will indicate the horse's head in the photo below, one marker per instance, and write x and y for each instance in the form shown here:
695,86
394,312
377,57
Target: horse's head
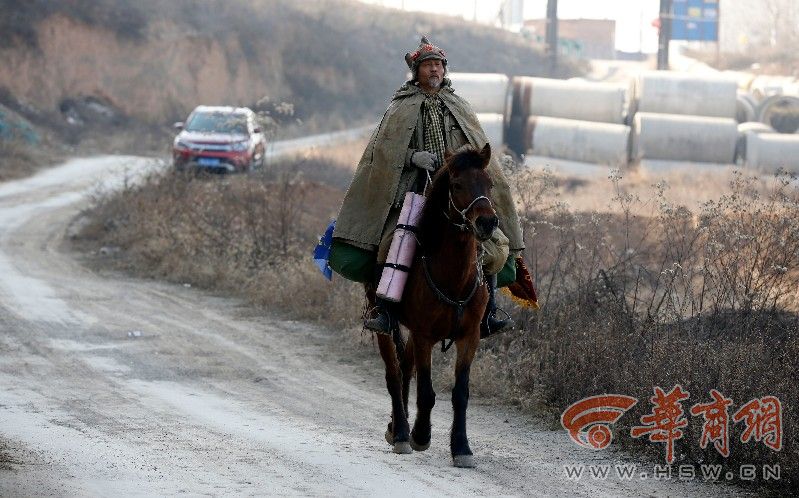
470,191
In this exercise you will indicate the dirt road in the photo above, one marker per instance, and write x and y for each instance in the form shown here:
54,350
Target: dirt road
115,386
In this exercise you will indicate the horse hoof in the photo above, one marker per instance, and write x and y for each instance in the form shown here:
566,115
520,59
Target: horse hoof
463,461
402,448
389,437
419,447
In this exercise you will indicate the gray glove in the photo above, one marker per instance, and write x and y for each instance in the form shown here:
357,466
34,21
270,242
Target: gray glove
424,160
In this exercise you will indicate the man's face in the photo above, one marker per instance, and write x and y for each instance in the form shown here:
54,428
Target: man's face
430,74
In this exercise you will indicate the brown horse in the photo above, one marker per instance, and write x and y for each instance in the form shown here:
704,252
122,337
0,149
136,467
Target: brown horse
444,299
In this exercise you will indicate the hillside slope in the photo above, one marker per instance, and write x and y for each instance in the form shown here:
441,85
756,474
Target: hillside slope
337,61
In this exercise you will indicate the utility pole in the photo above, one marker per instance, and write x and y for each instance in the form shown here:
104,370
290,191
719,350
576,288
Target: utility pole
664,36
552,35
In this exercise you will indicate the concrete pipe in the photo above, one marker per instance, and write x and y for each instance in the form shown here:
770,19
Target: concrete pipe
743,130
666,92
494,127
772,151
781,112
578,100
582,141
745,108
485,92
673,137
754,126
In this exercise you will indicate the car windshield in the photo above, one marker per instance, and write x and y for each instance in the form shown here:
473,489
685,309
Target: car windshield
218,122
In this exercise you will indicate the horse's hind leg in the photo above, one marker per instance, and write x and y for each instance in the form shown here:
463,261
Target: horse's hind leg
398,427
425,397
459,442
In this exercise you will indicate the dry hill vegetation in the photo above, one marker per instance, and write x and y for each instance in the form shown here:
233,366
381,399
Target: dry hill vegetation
113,75
336,61
643,292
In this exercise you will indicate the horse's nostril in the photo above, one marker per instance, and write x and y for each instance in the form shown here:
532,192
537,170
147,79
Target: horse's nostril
487,224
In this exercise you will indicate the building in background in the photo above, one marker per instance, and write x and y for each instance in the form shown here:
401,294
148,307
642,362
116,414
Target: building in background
587,38
511,14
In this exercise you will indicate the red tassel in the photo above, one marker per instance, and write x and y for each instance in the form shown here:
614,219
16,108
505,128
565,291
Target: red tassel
522,291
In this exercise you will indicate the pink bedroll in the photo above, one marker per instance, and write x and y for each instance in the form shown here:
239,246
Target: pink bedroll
403,247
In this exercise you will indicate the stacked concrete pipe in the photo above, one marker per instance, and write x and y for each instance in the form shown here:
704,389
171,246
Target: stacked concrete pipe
769,152
674,117
746,108
674,137
494,127
485,92
685,118
490,98
745,129
583,141
781,112
568,119
768,136
667,92
574,99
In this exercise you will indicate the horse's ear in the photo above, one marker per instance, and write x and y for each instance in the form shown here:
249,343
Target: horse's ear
447,154
485,154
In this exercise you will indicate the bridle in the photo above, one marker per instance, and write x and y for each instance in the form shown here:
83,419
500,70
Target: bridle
465,226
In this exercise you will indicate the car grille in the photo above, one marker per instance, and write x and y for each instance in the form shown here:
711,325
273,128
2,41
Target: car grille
211,147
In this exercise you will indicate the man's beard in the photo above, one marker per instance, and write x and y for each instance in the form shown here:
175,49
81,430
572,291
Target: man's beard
434,81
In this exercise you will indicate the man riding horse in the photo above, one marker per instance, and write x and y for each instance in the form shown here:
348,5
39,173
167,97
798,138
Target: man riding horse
425,119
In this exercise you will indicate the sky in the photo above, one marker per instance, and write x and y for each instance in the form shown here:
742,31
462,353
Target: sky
633,17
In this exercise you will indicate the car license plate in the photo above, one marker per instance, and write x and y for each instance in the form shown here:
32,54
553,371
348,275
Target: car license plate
208,161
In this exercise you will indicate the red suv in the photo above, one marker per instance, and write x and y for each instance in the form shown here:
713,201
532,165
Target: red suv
219,139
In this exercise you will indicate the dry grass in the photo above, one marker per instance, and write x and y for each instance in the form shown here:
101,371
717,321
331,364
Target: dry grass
21,159
649,292
643,292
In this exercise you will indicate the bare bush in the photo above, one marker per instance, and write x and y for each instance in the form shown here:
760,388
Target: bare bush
656,294
248,233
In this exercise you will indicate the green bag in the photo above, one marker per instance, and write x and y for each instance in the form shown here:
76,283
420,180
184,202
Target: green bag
352,263
358,265
507,275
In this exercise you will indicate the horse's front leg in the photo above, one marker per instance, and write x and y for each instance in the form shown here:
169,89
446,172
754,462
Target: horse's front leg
459,442
425,396
406,369
399,431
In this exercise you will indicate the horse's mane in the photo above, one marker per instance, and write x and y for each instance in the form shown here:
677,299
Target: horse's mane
438,194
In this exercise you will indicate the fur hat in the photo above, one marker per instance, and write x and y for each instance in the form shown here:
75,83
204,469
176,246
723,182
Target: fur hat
425,52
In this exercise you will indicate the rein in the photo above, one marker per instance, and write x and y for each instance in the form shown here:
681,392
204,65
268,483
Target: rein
459,305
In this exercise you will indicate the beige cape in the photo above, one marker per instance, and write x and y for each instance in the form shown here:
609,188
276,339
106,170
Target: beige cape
372,192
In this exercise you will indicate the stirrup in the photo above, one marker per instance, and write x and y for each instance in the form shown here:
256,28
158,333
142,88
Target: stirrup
502,325
381,323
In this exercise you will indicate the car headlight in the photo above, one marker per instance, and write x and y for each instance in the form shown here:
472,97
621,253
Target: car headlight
240,145
182,144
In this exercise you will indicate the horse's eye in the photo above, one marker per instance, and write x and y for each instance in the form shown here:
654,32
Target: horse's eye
456,186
